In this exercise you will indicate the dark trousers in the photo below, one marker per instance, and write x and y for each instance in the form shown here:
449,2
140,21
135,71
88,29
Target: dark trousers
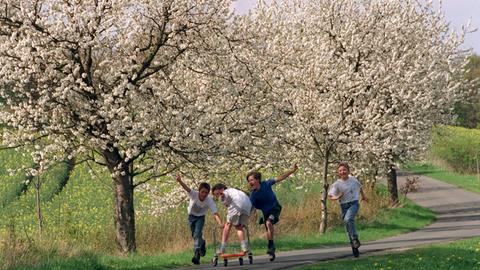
196,226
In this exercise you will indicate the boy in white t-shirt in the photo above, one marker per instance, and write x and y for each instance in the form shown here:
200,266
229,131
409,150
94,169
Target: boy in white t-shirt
198,207
239,207
347,190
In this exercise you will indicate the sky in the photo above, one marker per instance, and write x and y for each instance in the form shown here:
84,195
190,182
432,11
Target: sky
457,12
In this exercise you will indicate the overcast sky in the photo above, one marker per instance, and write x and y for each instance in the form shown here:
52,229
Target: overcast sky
458,12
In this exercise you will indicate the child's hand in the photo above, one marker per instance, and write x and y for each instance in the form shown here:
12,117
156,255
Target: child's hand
178,178
336,197
364,199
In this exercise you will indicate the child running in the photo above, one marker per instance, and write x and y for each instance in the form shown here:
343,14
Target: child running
199,204
346,190
263,198
238,212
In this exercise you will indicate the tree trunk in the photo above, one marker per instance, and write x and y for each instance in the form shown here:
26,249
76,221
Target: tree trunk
39,208
123,195
323,222
392,185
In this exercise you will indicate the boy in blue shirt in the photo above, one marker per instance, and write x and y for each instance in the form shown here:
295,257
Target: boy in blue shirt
263,198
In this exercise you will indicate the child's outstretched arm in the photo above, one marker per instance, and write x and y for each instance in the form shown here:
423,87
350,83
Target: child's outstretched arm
286,174
184,186
218,219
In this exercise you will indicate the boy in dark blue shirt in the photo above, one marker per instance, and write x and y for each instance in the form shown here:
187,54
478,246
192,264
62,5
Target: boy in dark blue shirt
263,198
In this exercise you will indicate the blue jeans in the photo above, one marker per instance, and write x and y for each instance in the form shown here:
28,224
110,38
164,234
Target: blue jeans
349,210
196,226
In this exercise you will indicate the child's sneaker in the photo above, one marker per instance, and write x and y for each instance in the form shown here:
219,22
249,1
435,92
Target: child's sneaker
196,257
271,252
356,243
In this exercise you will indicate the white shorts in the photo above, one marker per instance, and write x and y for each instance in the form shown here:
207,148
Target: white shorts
236,218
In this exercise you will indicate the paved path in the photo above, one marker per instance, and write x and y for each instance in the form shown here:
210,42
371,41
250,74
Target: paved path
458,216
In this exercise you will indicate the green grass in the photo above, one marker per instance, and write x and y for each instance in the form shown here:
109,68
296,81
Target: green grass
11,175
80,213
90,261
468,182
464,254
388,223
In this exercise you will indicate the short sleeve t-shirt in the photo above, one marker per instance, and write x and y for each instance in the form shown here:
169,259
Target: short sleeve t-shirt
350,189
264,198
199,208
236,200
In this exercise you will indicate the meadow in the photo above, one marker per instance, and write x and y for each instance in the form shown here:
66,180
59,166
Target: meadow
456,149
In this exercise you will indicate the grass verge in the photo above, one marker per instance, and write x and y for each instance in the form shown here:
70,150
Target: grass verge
464,254
389,222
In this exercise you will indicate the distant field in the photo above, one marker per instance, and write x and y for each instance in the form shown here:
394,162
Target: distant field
465,181
456,148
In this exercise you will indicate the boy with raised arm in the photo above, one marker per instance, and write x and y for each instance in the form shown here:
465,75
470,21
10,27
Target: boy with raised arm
263,198
198,206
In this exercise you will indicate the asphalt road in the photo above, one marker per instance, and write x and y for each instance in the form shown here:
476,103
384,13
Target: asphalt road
458,217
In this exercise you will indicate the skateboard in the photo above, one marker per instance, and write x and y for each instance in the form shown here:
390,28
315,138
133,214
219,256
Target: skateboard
229,256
